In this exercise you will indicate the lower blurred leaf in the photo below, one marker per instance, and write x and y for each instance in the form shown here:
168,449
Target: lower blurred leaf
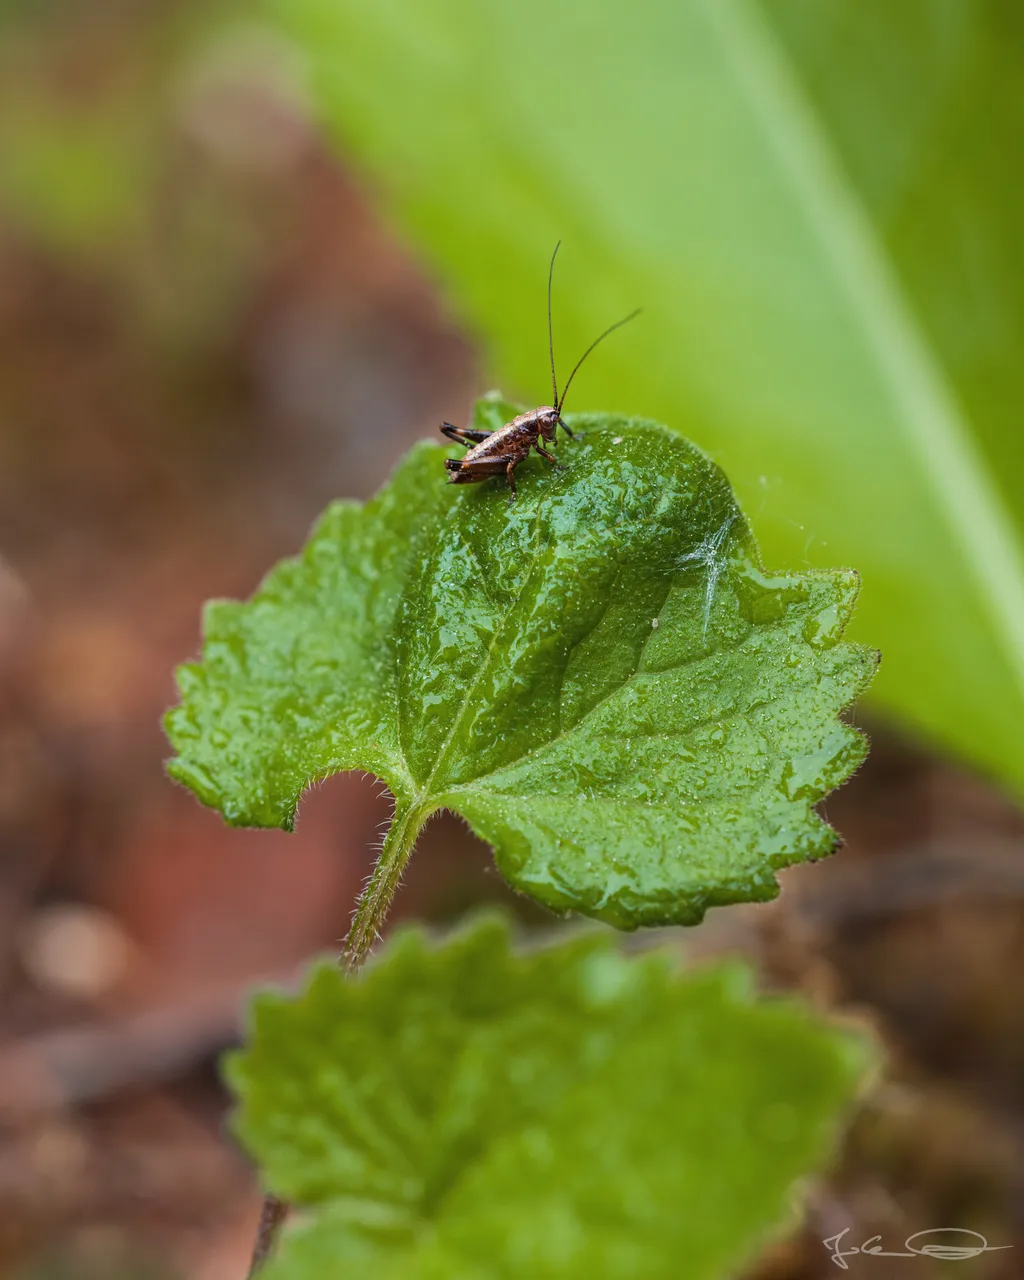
463,1111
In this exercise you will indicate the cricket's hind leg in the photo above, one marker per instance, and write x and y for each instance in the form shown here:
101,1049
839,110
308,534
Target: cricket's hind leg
463,435
463,471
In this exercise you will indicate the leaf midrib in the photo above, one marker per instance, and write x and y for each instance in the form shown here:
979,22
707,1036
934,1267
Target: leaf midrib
426,797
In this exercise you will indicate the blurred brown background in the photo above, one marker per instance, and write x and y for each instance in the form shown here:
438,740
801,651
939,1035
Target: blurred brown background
206,334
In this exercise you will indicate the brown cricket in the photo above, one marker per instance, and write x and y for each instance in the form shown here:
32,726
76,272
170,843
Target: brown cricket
496,452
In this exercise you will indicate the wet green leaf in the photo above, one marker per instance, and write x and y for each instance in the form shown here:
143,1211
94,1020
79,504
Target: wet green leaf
812,200
462,1111
601,678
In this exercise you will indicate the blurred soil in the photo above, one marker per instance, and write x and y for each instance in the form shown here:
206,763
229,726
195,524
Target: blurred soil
178,400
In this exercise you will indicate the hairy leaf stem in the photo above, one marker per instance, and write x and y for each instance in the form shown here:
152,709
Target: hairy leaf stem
376,898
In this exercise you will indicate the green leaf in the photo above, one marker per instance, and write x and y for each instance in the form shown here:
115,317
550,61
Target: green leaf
600,678
813,204
462,1111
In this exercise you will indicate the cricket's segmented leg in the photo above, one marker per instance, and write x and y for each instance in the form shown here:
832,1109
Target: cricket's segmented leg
471,472
463,435
550,457
510,472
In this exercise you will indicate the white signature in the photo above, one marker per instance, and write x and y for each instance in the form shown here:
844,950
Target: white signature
917,1246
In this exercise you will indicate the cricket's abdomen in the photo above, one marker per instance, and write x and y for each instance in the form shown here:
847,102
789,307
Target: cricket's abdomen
514,439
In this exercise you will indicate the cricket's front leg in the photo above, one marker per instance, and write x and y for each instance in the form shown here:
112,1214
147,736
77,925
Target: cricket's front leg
510,472
550,457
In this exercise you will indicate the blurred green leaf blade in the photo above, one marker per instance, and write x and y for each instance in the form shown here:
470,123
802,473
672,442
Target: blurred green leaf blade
461,1110
812,204
600,678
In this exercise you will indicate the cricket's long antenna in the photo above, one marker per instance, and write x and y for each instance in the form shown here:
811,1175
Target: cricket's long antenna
611,329
551,339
